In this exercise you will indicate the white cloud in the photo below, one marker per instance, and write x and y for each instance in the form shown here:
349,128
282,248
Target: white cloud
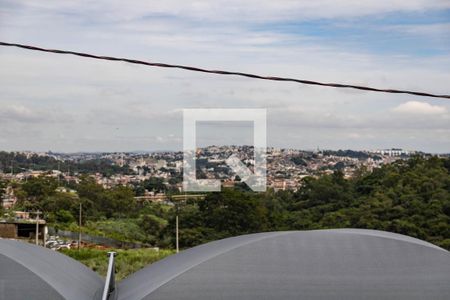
234,10
19,113
113,101
420,108
437,29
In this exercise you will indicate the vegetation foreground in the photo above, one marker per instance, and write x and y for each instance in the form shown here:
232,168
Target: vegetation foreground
127,261
410,197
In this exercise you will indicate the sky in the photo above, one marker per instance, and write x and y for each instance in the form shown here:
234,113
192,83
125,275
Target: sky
68,104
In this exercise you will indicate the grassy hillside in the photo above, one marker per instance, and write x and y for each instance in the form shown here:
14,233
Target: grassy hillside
127,261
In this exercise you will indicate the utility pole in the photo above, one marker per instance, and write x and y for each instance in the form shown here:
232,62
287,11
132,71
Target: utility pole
177,232
176,229
59,173
37,226
79,229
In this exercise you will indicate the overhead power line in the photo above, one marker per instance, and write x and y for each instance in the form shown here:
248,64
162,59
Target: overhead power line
221,72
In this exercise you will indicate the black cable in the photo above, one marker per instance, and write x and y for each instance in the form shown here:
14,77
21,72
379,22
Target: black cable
220,72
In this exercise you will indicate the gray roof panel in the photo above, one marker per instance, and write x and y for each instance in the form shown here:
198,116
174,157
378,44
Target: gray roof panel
27,269
321,264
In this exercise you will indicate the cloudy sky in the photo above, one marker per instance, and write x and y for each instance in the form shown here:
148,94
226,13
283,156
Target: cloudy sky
64,103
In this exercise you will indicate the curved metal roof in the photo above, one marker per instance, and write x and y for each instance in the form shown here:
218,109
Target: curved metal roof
31,272
319,264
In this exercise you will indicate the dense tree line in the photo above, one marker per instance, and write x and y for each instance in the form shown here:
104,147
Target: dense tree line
410,197
17,162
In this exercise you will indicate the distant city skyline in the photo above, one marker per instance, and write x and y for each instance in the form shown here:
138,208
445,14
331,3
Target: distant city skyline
140,151
284,168
70,104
